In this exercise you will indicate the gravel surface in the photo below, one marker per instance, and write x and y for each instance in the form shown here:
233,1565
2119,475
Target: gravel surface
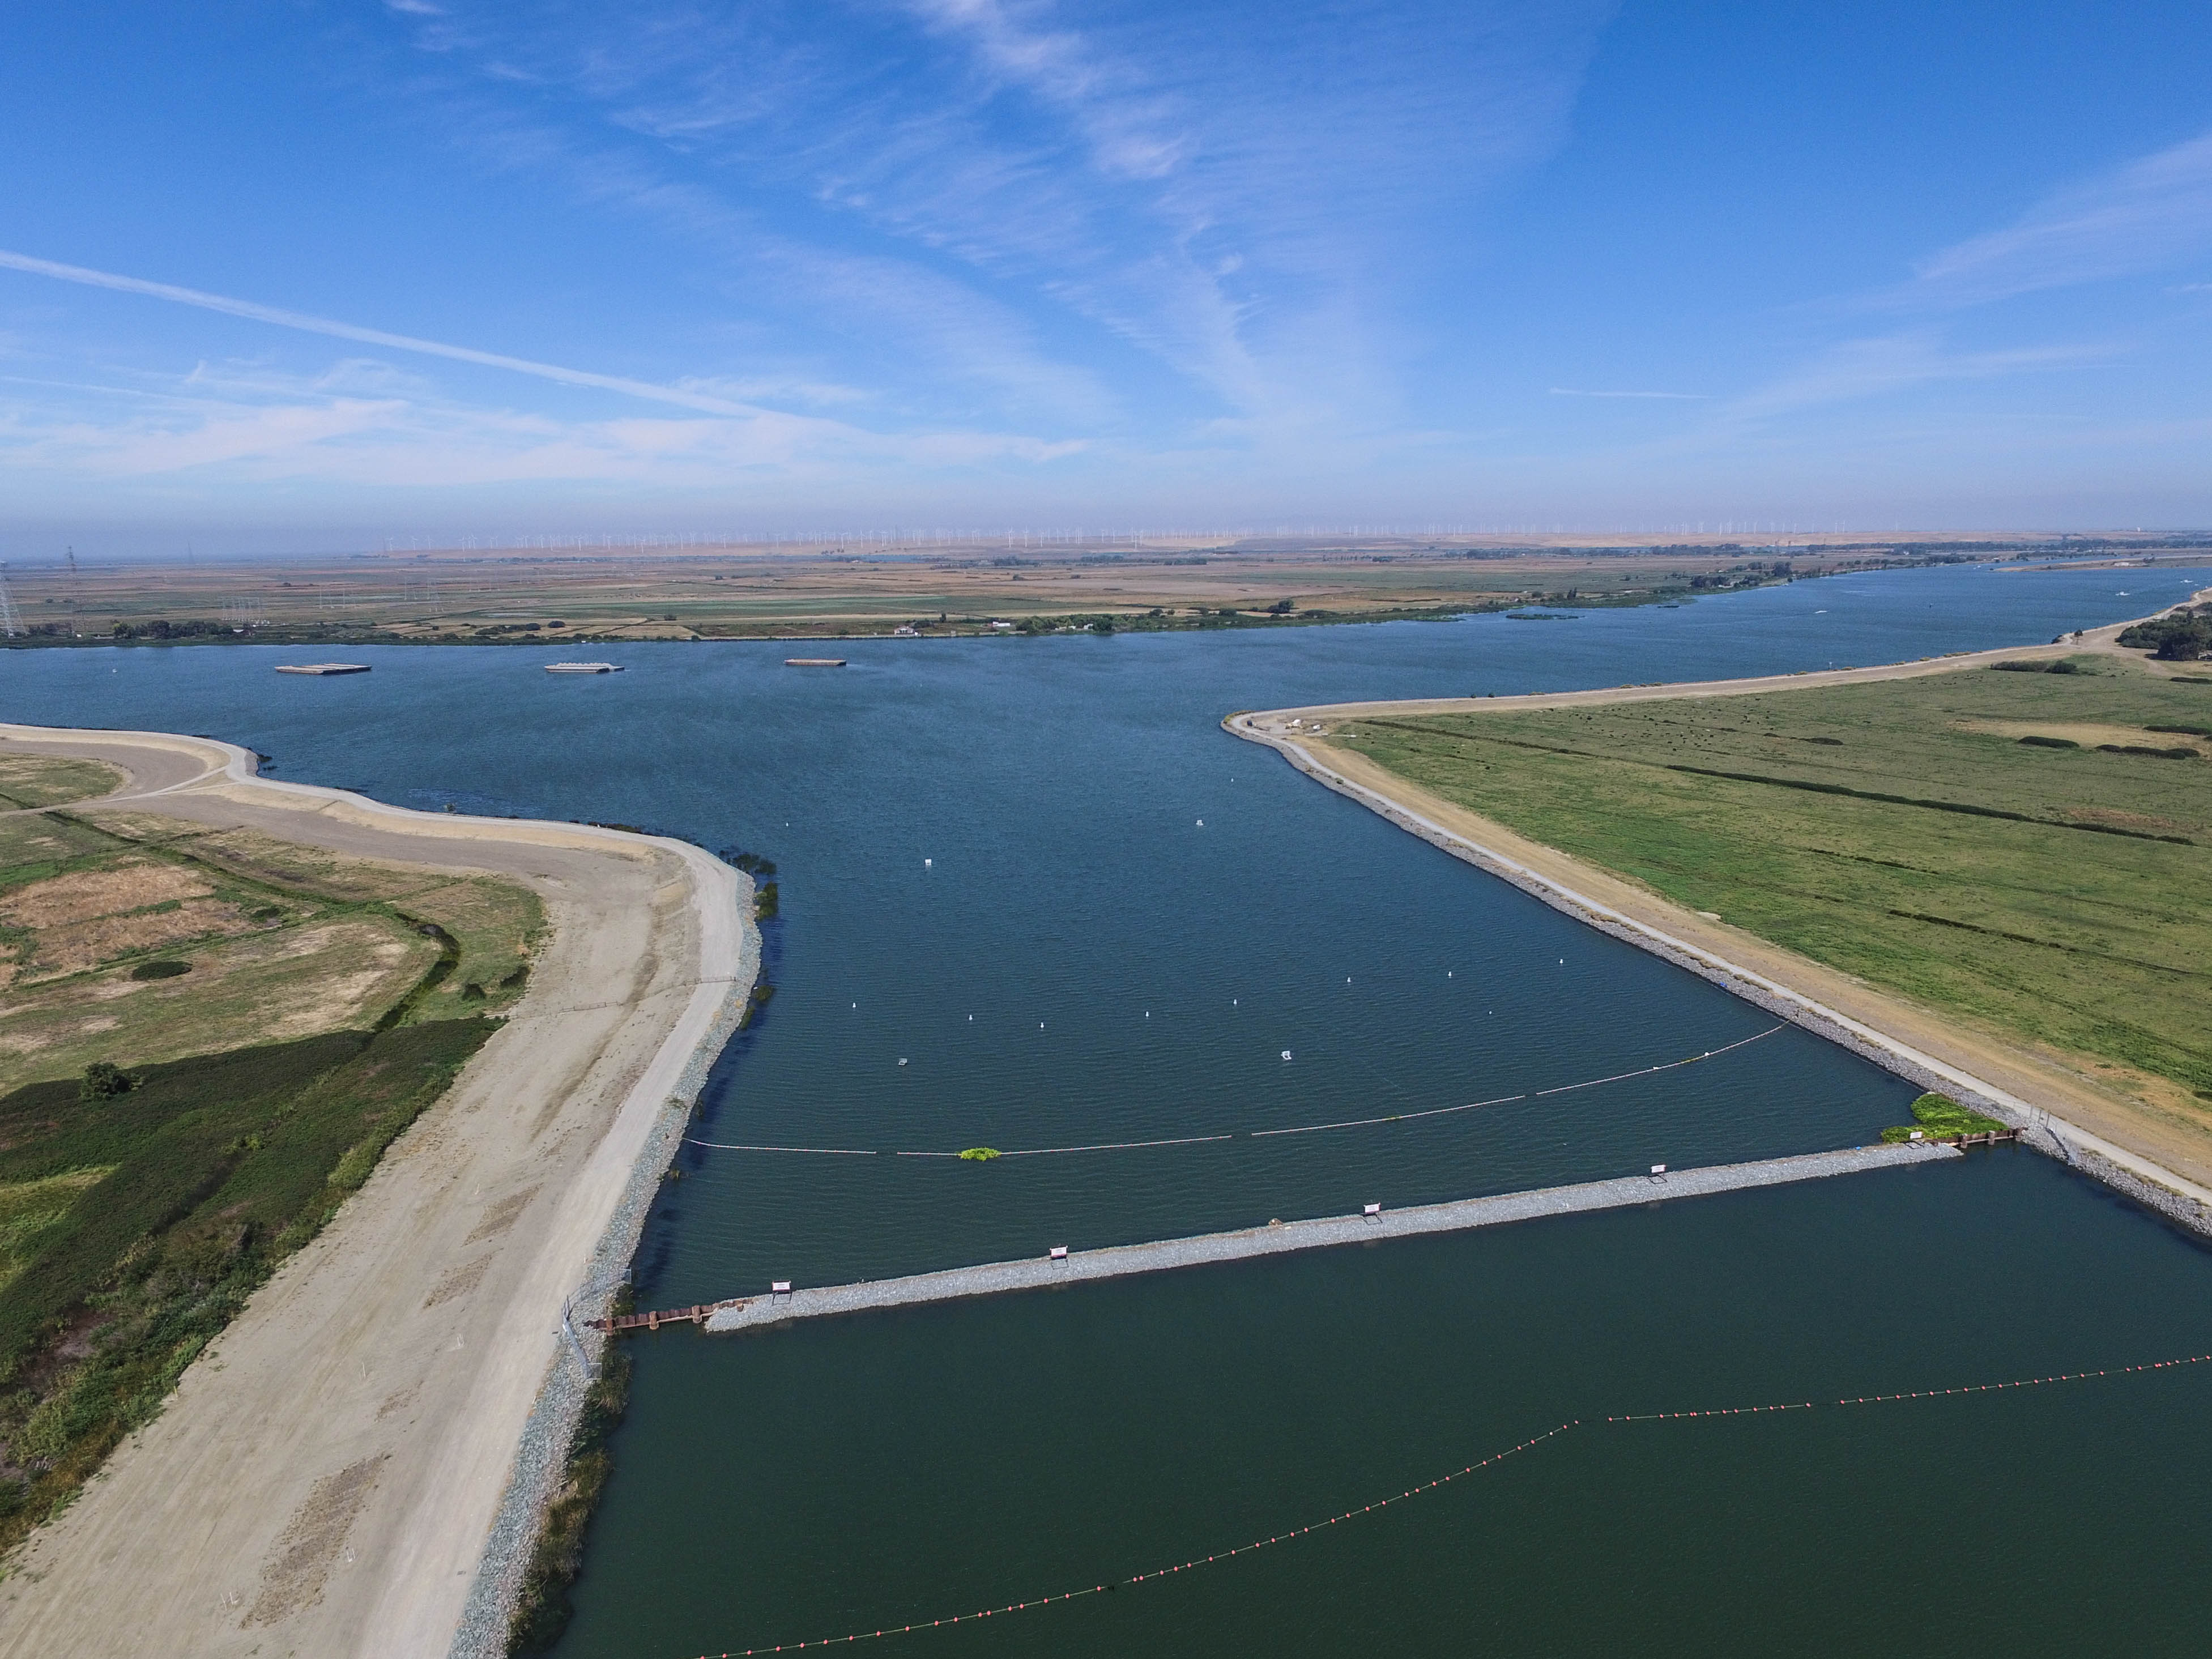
1279,1237
543,1453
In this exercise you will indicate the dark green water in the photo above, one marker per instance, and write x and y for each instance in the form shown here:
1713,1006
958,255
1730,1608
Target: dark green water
1081,961
839,1477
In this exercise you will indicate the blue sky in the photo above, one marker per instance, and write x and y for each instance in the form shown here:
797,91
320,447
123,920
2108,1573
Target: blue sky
325,271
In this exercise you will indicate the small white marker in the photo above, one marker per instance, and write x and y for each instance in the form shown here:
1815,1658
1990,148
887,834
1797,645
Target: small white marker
1658,1168
1371,1209
1059,1253
1286,1054
1201,823
925,864
902,1062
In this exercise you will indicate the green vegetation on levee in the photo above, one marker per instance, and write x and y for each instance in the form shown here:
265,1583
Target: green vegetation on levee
45,781
1935,1116
158,1163
2181,635
982,1154
1899,831
135,1221
542,1608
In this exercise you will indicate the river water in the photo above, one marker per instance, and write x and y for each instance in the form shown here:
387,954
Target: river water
1032,897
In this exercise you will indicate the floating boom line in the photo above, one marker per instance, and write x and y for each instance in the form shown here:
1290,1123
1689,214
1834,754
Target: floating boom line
1256,1134
1445,1480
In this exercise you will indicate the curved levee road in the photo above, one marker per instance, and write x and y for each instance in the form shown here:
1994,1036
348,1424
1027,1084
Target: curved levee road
325,1479
2023,1085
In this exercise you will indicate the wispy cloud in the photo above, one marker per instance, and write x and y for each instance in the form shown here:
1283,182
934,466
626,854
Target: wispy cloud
1853,370
2151,214
244,422
1234,194
1685,397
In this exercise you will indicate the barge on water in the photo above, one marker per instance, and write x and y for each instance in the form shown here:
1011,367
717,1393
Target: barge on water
322,668
583,668
813,662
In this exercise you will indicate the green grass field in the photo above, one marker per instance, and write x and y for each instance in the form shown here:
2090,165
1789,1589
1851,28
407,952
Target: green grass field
137,1225
1901,831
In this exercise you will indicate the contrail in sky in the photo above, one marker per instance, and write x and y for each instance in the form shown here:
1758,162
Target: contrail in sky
376,337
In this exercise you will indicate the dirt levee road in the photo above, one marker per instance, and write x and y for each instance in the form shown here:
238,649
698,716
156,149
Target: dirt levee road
324,1478
2153,1154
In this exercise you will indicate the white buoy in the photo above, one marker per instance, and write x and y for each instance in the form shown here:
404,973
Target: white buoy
925,864
1201,823
1286,1054
902,1062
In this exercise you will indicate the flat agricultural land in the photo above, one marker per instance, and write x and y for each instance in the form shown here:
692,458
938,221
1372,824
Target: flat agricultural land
135,938
2056,892
942,585
272,1015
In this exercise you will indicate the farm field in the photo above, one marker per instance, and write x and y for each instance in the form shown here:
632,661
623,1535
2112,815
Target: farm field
134,939
516,596
210,1037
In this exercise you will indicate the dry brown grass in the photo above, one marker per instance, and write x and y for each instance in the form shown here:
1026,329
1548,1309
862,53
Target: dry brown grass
280,941
84,944
265,987
81,895
2090,734
40,781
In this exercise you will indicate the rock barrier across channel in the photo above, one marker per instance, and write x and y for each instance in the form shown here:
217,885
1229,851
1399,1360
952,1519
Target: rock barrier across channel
1277,1238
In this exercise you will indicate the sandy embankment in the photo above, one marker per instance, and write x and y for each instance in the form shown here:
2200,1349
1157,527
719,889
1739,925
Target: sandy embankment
2158,1158
329,1475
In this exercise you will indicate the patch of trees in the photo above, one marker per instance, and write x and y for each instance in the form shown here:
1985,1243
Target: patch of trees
2182,635
189,628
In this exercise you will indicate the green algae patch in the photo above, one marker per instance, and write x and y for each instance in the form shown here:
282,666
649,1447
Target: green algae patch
981,1154
1937,1115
